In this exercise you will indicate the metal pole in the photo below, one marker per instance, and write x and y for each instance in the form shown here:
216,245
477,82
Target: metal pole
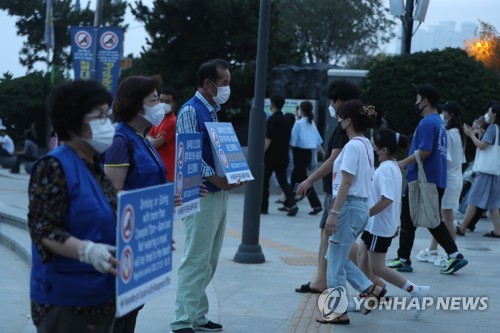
97,24
97,15
407,32
249,251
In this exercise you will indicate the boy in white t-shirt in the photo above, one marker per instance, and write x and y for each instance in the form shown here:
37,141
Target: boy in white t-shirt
385,203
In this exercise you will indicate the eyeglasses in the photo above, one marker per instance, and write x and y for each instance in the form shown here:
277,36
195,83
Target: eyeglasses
102,117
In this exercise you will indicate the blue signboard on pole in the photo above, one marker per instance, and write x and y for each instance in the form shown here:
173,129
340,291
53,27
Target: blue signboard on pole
109,44
97,54
143,245
228,155
188,173
83,50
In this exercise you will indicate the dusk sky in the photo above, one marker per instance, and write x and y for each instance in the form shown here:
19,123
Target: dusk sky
458,11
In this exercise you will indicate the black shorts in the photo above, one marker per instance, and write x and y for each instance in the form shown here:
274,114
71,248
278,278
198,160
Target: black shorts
376,243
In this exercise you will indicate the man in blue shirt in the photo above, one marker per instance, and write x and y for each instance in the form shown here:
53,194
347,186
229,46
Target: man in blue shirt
430,139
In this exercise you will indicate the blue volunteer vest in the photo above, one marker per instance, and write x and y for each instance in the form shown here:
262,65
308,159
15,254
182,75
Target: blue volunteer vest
203,116
65,281
148,170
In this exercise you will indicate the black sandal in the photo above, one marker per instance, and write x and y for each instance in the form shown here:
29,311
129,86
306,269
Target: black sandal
369,307
306,288
334,321
458,231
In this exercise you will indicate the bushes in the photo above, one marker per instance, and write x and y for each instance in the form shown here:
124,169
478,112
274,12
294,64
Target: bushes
391,84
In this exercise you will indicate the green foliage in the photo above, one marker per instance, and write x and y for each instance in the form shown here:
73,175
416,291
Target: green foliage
22,101
391,84
335,31
30,24
185,33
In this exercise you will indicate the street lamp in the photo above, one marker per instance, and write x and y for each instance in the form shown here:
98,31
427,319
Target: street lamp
407,14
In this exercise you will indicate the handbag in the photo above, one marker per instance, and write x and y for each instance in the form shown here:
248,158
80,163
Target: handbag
488,160
423,198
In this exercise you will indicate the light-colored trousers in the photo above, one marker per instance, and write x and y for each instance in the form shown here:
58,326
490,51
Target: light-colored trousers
204,234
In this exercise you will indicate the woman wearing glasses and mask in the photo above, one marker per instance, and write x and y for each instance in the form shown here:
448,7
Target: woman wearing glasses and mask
132,162
71,217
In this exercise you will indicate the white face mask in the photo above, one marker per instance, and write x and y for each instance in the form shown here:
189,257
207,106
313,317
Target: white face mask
154,114
486,117
167,108
332,111
103,133
223,94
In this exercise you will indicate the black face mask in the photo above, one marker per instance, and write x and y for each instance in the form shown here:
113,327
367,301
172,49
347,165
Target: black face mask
418,110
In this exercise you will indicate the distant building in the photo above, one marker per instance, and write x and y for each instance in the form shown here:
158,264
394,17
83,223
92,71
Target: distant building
442,36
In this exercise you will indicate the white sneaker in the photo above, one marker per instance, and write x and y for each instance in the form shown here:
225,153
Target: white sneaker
427,255
420,293
441,261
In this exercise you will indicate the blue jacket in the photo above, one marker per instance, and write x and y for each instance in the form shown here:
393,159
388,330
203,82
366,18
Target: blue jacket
148,169
203,116
65,281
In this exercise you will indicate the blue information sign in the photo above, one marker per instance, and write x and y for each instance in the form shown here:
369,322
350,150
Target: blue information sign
83,48
97,54
143,245
228,155
188,173
109,51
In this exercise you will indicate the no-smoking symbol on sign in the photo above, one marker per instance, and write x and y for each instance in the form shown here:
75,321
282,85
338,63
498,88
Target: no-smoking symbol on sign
83,39
109,40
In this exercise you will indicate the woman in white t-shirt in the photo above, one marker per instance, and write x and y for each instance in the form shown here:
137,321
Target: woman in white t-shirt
351,181
455,157
385,199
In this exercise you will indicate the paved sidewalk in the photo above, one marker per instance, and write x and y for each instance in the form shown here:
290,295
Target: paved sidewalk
261,298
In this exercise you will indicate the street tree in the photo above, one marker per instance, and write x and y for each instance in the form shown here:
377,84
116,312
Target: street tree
184,33
485,47
339,31
391,84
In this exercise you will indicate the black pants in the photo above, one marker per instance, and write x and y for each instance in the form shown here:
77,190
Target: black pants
61,319
301,160
407,233
20,158
126,324
280,171
4,152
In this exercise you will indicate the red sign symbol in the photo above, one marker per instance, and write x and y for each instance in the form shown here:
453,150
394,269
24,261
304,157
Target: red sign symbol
126,264
83,39
180,155
109,40
215,137
223,158
127,223
180,183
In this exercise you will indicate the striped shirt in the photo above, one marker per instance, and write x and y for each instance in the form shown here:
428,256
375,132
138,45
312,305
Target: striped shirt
187,122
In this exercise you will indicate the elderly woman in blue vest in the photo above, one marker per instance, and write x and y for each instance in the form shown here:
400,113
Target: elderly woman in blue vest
71,217
132,162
